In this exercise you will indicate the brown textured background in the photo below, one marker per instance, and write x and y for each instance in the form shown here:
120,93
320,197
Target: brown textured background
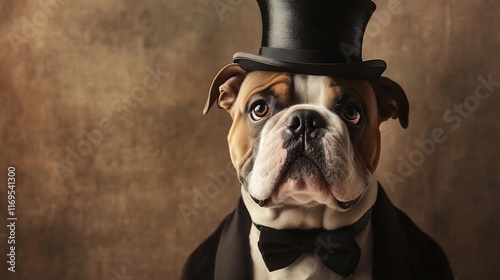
116,213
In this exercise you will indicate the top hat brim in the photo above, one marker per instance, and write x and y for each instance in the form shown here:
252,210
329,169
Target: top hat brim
363,70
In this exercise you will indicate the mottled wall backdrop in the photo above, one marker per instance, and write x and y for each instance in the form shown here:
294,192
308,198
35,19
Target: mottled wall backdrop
101,116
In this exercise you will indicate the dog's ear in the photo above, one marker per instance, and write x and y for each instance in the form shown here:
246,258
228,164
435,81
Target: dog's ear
225,87
391,100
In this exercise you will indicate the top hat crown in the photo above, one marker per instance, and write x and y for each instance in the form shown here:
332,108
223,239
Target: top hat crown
316,37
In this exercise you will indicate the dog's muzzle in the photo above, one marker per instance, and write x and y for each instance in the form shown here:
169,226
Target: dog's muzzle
305,157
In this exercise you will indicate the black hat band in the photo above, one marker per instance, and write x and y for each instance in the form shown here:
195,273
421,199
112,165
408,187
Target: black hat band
307,56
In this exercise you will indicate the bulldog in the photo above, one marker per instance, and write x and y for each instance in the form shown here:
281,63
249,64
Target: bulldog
305,149
305,142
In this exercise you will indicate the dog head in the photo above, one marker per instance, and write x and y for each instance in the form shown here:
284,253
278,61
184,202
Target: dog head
305,142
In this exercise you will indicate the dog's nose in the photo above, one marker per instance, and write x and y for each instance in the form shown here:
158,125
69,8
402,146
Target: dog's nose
304,122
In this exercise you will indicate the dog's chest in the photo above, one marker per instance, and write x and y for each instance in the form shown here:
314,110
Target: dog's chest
310,267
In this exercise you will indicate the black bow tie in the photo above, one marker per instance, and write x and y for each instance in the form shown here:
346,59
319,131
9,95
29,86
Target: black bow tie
337,249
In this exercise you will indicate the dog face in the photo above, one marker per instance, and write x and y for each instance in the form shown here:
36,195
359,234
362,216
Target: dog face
302,140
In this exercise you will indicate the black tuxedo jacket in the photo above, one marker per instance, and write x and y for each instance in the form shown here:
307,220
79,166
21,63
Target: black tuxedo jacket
400,249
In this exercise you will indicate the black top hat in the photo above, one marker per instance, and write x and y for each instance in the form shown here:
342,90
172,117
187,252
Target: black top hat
316,37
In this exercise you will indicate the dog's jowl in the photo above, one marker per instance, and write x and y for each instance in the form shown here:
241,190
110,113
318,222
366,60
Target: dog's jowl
305,142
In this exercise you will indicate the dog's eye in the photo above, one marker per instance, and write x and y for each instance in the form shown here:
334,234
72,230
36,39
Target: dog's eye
351,114
259,111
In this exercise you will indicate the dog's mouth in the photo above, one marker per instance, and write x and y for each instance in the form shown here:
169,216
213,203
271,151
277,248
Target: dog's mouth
304,166
345,205
348,204
261,203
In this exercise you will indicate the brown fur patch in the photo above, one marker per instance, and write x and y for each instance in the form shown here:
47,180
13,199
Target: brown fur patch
367,148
